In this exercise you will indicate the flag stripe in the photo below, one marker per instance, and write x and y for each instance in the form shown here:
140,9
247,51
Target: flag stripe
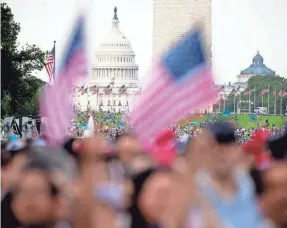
186,92
35,132
50,64
163,96
153,88
184,107
181,82
55,101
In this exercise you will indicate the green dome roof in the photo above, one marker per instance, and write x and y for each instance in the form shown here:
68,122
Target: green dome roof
258,67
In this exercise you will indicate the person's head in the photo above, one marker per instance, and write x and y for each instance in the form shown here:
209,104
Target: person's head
127,146
275,177
224,152
17,151
35,197
274,196
5,161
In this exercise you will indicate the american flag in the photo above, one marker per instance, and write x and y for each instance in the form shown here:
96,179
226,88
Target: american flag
108,89
182,82
34,132
50,64
122,89
221,89
248,92
264,90
83,91
55,100
223,97
82,88
235,91
94,89
282,93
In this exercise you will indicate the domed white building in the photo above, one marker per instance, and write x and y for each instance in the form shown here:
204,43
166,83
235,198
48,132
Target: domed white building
114,82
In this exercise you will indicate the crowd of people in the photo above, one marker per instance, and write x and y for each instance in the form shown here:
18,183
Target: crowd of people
190,177
112,124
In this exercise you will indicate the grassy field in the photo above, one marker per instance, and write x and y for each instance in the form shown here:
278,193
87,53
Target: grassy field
242,120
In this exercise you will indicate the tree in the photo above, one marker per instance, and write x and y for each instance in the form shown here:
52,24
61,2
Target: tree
275,84
19,87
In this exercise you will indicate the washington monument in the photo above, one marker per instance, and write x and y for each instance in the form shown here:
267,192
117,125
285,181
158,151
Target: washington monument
172,18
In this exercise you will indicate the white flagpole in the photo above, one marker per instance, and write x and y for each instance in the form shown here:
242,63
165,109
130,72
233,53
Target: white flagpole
275,94
281,105
234,103
268,100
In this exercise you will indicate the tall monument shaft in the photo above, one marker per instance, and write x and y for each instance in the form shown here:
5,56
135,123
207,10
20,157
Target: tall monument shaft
172,18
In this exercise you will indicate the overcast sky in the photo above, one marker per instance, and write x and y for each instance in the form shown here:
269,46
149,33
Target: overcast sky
240,28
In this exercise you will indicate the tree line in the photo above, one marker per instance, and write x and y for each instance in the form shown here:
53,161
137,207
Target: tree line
258,83
19,86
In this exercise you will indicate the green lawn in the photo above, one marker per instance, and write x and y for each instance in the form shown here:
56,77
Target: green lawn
243,120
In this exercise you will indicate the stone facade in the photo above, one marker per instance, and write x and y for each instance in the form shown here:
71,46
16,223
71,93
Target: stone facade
173,18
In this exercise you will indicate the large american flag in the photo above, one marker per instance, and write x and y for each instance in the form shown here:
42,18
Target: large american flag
182,82
50,64
55,100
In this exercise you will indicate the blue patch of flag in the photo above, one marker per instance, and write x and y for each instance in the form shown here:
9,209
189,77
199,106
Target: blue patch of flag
77,43
187,54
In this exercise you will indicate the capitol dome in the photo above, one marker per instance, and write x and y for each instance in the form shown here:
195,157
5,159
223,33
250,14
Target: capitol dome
257,59
116,51
257,67
114,82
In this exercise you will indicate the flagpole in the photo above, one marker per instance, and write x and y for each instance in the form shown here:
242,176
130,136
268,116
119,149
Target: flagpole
87,97
281,105
54,70
262,104
268,100
249,102
240,101
275,111
234,103
224,104
254,105
219,103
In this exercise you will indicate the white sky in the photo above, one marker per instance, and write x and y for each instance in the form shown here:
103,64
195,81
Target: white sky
240,28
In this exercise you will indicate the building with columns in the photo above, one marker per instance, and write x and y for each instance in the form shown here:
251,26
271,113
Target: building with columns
114,82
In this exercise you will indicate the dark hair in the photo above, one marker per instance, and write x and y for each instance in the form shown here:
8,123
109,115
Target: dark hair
6,158
223,132
68,146
278,147
124,135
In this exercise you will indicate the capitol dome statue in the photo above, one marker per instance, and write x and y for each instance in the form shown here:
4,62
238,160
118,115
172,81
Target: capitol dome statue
114,82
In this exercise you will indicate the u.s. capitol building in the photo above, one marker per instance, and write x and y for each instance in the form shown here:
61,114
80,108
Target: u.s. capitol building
114,83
